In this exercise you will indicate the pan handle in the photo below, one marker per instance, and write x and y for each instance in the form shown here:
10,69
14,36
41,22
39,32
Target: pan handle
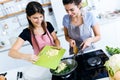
67,58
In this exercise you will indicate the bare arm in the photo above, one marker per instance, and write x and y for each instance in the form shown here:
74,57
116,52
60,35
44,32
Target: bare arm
14,51
67,37
56,40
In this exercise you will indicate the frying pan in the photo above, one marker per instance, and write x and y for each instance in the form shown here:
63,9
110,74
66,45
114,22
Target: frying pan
69,62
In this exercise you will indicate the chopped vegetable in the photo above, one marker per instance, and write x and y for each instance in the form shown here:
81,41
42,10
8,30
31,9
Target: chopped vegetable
112,50
61,67
64,69
113,64
52,52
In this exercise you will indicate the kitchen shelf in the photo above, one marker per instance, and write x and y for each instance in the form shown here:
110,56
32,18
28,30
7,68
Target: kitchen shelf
46,4
16,13
5,1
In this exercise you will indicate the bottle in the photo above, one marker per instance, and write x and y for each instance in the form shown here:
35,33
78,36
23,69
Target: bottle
4,39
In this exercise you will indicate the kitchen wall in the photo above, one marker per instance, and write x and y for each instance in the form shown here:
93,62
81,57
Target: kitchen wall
109,5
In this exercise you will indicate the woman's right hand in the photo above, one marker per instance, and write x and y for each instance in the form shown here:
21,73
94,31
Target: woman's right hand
31,58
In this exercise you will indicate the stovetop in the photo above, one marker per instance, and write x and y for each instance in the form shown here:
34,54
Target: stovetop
85,71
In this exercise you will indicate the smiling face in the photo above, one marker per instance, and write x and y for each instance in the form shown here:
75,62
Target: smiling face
36,19
72,9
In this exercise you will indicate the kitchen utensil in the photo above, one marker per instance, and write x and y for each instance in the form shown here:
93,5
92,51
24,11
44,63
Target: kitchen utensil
71,63
75,51
19,75
50,57
94,61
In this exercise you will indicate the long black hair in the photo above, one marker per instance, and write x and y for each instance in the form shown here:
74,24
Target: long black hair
76,2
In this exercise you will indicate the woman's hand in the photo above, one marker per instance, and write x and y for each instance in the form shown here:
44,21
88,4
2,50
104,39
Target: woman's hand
58,46
86,43
72,43
31,58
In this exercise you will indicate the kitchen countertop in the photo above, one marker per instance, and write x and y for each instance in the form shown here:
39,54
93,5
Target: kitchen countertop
12,74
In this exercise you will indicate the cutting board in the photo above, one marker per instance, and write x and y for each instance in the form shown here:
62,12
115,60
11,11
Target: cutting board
50,57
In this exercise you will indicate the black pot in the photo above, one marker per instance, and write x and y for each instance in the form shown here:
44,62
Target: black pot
70,62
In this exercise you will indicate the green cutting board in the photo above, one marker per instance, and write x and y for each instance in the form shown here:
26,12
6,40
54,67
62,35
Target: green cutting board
49,61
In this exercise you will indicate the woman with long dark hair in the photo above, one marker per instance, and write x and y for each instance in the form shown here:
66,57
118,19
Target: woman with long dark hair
39,33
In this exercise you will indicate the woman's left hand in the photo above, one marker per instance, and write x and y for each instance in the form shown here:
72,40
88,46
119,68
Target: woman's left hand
86,43
58,47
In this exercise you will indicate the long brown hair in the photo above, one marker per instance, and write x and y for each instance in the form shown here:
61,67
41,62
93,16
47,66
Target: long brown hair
32,8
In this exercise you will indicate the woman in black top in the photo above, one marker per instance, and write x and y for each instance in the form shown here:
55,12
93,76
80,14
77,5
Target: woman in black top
39,33
25,35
